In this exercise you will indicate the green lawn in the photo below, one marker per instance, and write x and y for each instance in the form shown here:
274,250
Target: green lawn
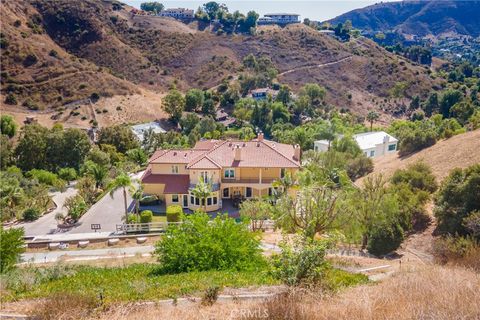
159,219
131,283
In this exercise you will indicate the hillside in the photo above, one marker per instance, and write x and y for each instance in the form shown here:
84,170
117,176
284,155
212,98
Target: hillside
459,151
101,47
41,73
420,18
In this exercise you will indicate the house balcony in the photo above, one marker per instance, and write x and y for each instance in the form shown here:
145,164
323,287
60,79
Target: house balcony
250,181
215,186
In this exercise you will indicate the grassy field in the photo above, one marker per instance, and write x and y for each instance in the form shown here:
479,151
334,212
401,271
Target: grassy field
131,283
140,282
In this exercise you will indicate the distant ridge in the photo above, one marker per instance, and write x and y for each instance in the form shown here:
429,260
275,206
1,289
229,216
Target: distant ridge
420,18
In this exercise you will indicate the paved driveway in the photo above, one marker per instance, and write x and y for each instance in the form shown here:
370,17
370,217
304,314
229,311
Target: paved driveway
108,212
47,223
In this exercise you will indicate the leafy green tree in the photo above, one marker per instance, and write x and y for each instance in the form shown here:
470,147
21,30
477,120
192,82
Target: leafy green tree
76,206
124,182
256,212
11,247
31,148
431,104
448,100
153,6
385,238
97,171
8,126
194,100
137,155
200,244
208,107
312,211
372,116
211,9
76,146
284,95
98,156
280,112
462,111
173,104
314,94
7,152
188,122
457,199
119,136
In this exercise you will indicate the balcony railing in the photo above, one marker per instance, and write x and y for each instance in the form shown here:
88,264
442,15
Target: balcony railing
257,181
215,186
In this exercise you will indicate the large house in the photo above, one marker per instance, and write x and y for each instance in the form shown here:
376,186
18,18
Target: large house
234,169
279,18
178,13
373,144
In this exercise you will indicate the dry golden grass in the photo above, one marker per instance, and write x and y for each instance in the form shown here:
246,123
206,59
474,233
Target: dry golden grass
430,292
442,157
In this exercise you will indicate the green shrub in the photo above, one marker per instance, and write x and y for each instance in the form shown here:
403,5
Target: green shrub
199,244
76,206
43,176
301,263
174,213
457,200
384,238
67,174
31,214
359,166
11,246
418,176
146,216
11,99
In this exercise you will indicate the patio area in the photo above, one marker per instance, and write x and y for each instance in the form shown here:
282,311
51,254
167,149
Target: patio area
227,207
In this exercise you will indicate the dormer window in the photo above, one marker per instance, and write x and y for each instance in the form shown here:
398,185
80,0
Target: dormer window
229,174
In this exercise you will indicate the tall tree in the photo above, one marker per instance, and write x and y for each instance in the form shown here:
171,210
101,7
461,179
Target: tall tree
124,182
173,104
372,116
11,246
7,125
153,6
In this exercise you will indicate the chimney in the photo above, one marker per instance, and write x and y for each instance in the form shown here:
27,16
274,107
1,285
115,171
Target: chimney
296,152
260,136
238,153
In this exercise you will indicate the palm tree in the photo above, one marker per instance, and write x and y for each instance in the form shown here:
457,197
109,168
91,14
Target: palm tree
371,117
124,182
98,173
138,196
202,191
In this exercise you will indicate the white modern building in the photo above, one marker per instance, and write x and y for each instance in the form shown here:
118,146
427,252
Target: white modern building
279,18
373,144
178,13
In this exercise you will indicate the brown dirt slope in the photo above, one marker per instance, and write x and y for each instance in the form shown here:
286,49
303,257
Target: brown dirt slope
155,51
34,67
459,151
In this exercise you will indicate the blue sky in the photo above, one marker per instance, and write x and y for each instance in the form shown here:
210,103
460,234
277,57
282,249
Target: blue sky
315,10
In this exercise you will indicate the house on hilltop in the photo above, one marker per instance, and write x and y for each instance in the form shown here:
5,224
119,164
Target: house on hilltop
233,169
178,13
372,144
263,93
279,18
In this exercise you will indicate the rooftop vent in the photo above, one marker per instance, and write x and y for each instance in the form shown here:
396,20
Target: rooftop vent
175,153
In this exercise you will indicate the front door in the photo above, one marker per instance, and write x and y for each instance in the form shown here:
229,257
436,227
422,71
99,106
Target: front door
185,200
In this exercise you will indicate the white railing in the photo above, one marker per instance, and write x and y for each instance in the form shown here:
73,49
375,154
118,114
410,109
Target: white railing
144,227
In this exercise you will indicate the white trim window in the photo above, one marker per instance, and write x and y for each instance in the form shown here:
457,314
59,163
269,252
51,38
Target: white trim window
229,174
175,169
175,198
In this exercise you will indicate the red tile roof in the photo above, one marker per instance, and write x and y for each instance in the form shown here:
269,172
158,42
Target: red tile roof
213,154
174,183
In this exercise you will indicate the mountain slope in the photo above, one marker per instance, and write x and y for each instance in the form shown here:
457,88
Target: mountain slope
39,72
420,18
123,52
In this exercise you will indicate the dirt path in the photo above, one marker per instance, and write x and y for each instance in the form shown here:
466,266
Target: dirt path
314,66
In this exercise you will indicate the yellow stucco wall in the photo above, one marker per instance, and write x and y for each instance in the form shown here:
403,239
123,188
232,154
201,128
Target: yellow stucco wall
167,168
212,174
156,189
